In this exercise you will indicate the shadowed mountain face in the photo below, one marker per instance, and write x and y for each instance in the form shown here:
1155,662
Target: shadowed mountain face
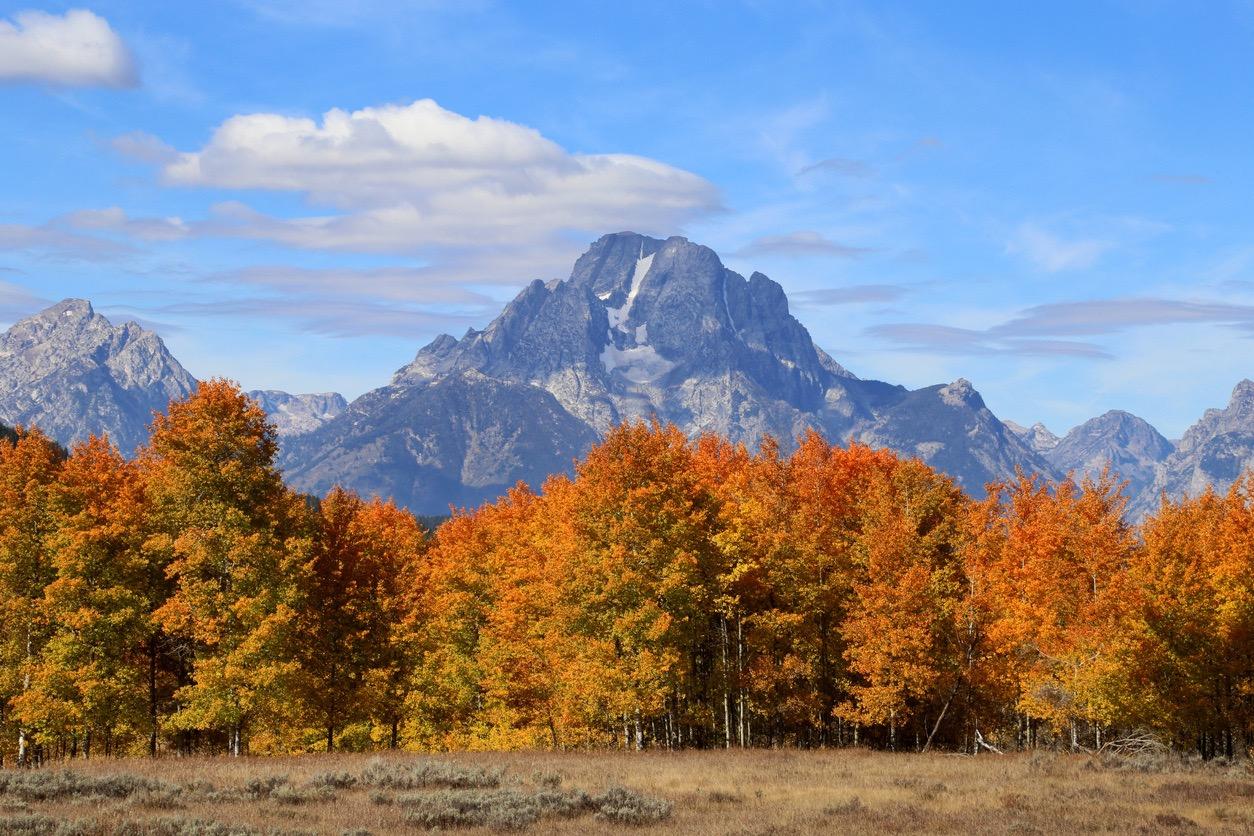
642,329
72,373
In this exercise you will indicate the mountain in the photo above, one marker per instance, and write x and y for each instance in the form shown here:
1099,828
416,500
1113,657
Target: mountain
1037,436
461,440
1212,453
297,414
950,428
1130,445
71,372
643,328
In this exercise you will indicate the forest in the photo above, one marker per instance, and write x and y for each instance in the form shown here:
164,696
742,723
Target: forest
670,594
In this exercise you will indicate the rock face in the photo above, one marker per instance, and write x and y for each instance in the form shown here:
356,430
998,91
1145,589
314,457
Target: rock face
642,329
1133,449
950,428
1213,452
461,440
1037,436
72,373
294,415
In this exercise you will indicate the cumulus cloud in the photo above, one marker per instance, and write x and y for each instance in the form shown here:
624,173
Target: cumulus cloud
800,244
401,178
77,49
1052,253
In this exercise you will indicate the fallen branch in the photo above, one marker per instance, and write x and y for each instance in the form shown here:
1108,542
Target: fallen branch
979,739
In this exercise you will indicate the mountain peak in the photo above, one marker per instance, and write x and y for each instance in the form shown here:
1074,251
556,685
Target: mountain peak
961,393
1242,393
71,372
70,309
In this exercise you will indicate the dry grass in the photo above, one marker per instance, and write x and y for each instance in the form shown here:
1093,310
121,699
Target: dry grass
755,792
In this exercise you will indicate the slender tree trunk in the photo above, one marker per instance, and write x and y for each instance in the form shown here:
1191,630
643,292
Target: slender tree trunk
396,734
152,696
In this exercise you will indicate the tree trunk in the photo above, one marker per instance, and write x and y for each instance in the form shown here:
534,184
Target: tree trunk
152,696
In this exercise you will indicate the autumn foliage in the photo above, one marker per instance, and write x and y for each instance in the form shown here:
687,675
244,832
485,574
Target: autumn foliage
672,593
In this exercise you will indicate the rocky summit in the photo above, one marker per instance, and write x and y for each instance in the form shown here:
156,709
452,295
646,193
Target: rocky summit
642,329
296,414
72,373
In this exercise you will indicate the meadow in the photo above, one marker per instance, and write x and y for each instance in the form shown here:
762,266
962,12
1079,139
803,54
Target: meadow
700,792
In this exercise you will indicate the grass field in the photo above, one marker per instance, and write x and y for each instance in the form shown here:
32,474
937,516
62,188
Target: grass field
754,792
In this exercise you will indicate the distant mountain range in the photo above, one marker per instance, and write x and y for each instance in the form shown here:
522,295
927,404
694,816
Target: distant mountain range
643,328
72,373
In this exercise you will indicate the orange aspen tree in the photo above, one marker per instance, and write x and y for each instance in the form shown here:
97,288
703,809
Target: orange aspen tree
29,468
904,659
237,544
96,678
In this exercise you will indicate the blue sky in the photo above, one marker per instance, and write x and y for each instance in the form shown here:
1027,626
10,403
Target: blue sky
1051,200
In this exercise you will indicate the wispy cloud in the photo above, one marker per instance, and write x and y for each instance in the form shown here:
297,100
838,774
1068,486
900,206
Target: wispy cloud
944,339
1053,253
1039,330
114,219
804,243
1108,316
77,49
1182,179
839,165
55,242
851,294
17,301
336,317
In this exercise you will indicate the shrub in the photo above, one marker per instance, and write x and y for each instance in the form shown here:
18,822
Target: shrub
429,774
547,778
334,780
53,786
623,806
498,809
259,788
296,795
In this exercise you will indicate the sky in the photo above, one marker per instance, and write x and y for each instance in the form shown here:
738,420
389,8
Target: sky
1050,200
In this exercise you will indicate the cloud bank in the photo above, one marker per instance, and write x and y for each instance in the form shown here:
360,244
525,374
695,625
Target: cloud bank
77,49
403,178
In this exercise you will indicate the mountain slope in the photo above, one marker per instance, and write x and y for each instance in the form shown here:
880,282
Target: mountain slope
1213,452
462,440
71,372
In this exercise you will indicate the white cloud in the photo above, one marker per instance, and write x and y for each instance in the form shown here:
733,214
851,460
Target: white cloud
402,178
1053,254
77,49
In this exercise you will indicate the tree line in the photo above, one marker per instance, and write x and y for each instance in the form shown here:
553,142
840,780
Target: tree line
671,593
